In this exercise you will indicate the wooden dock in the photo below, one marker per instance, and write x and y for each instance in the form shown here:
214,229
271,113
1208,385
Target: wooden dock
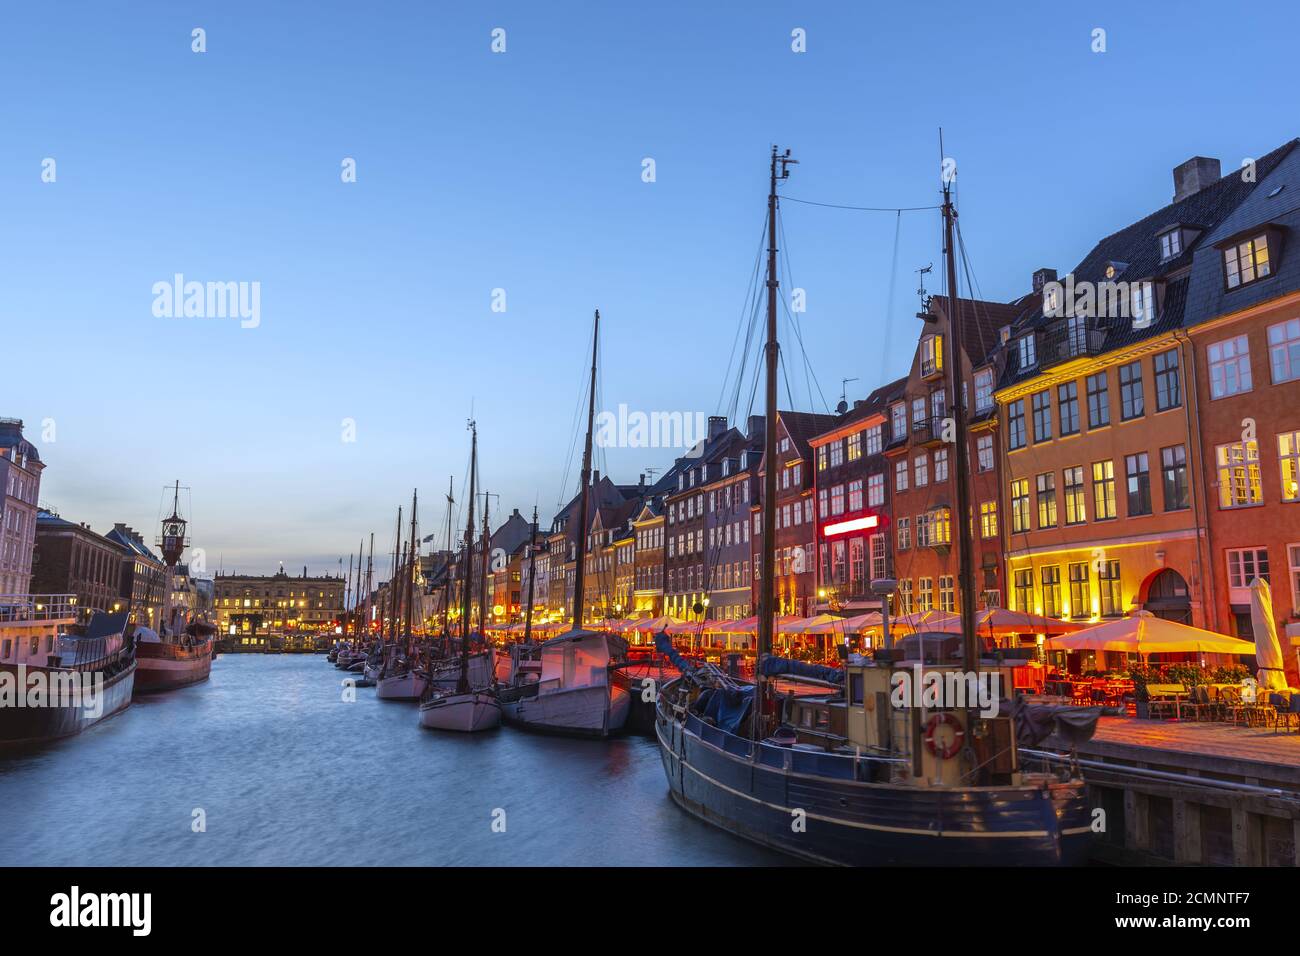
1194,792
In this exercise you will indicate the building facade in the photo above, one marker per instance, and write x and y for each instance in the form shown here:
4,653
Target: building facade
20,482
73,559
246,605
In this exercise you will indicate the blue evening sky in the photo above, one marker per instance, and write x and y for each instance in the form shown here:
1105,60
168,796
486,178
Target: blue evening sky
523,171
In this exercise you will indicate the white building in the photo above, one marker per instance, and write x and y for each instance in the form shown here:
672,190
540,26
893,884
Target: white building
20,479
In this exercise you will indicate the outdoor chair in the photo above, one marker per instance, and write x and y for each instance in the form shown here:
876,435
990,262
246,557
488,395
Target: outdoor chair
1232,707
1284,710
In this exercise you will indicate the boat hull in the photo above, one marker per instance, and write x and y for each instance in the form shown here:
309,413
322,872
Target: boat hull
167,666
466,713
404,687
24,727
850,822
596,711
446,675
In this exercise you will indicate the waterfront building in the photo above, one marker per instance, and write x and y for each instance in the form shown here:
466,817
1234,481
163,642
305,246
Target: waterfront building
249,605
73,559
796,576
1103,515
852,488
143,577
728,492
648,527
20,484
1243,345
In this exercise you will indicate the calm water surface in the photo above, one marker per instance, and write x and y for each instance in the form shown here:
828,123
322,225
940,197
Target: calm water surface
289,774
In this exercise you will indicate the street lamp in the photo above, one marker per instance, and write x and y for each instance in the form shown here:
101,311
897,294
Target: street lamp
883,588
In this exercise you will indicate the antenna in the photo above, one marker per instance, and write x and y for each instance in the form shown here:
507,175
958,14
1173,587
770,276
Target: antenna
921,274
843,406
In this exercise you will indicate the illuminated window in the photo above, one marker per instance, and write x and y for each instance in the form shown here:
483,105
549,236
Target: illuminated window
1050,578
1046,490
1076,509
1246,261
1080,591
1020,505
1239,476
1024,585
1103,489
855,446
931,354
1288,450
1112,601
988,519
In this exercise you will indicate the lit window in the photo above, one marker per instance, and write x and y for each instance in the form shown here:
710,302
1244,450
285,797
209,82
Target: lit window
1046,489
1103,489
1076,509
1246,261
988,519
931,354
1288,450
1020,505
1239,478
1050,577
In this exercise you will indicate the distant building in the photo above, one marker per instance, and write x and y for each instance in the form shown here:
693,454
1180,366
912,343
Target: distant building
73,559
143,577
246,604
20,482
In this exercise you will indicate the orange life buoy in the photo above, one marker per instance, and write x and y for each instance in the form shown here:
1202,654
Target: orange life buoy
958,735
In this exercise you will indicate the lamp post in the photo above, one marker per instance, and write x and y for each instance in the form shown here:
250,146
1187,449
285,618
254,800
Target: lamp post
883,588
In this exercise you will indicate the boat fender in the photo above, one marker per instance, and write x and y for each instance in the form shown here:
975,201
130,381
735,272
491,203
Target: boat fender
958,735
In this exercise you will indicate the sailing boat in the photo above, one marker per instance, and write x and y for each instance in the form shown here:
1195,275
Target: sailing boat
401,679
568,685
182,653
471,706
911,783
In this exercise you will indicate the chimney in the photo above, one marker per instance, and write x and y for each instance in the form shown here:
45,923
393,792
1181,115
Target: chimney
1042,277
595,478
640,483
717,425
755,427
1194,175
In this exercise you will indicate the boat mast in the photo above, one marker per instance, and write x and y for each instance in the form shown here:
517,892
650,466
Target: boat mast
446,586
462,685
347,594
356,594
580,571
962,519
532,578
483,584
392,583
410,580
370,567
767,586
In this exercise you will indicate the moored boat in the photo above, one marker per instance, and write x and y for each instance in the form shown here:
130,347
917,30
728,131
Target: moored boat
167,663
571,688
469,712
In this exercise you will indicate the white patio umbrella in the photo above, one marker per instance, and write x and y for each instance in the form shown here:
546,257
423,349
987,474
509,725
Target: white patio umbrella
1268,652
1144,633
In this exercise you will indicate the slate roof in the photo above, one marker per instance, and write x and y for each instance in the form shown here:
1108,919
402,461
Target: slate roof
804,426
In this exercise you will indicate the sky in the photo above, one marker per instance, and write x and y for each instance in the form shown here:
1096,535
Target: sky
525,171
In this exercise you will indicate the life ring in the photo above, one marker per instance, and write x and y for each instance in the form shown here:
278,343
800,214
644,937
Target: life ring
958,735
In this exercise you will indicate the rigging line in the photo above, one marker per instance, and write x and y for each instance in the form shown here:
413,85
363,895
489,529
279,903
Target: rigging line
832,205
809,376
751,339
741,323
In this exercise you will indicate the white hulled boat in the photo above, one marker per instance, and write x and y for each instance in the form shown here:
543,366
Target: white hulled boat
574,692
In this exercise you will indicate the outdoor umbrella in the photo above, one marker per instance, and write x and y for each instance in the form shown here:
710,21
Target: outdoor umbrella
820,624
1268,652
1144,633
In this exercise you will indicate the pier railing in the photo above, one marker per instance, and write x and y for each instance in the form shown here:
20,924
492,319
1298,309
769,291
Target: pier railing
18,608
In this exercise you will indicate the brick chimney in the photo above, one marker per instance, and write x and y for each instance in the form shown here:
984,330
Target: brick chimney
1194,175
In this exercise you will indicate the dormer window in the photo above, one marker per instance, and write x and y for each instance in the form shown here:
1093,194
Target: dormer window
1026,351
1142,303
1114,268
1244,262
931,354
1004,334
1051,301
1171,244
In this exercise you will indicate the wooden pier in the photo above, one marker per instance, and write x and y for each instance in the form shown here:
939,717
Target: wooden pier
1192,792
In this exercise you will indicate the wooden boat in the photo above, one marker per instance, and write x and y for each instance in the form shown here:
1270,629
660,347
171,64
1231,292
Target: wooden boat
886,780
575,691
86,678
471,706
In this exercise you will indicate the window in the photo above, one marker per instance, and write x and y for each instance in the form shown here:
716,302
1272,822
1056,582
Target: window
1103,490
947,600
1284,350
1239,481
1067,403
875,490
1042,402
983,390
1024,584
857,559
931,354
855,495
823,502
984,452
918,414
1108,584
855,446
988,519
1142,302
1173,467
1168,394
1050,578
904,533
1293,560
1229,362
837,500
925,599
1170,244
900,475
879,559
1047,499
1288,452
1098,400
1016,424
874,440
1246,261
1245,565
898,420
1026,351
921,467
905,596
837,454
1076,510
1080,591
1130,391
941,465
1020,505
1137,471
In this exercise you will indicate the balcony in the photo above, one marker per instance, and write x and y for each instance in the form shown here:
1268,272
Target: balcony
1069,339
928,431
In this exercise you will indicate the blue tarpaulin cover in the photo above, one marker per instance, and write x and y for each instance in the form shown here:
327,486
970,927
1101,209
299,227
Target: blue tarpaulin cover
664,644
780,666
727,708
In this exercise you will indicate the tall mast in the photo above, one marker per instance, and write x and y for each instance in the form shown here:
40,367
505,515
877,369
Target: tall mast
410,578
962,519
446,588
347,594
532,578
580,571
356,593
767,586
462,685
392,582
370,567
483,585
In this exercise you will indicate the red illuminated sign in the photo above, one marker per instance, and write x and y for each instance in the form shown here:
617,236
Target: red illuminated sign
854,524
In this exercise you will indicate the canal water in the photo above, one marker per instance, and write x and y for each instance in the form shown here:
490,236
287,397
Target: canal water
281,770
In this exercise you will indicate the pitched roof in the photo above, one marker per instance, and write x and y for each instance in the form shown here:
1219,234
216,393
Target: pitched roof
804,426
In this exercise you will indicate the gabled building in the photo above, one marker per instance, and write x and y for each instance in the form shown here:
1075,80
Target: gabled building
20,487
71,558
648,560
143,577
852,508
